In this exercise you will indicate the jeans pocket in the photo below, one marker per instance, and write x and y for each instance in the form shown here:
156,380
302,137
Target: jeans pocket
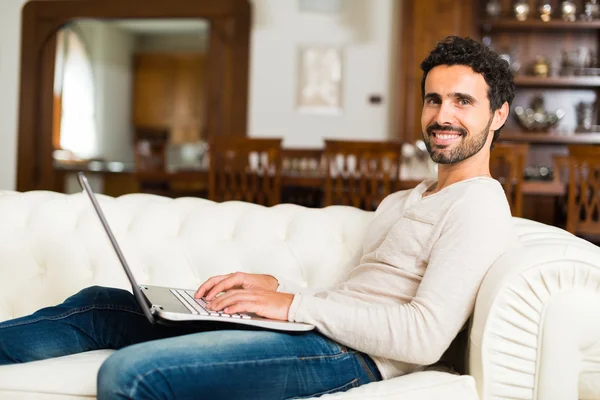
369,367
347,386
325,348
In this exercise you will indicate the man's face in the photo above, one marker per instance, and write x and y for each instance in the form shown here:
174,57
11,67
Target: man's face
456,116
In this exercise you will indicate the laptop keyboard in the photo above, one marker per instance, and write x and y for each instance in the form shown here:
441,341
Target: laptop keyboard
198,306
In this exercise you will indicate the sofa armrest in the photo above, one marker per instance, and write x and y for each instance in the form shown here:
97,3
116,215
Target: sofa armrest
536,325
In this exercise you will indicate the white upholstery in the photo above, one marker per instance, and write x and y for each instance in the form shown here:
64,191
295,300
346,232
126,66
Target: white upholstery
427,385
63,376
536,327
538,304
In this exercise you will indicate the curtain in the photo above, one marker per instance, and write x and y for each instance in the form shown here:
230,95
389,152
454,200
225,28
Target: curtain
74,83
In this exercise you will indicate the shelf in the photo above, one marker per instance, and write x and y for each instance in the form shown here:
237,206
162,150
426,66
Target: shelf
537,24
543,188
558,81
549,137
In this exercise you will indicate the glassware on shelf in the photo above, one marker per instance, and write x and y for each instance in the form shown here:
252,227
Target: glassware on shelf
568,10
538,173
541,67
521,9
581,61
536,118
511,55
591,10
585,115
493,8
545,10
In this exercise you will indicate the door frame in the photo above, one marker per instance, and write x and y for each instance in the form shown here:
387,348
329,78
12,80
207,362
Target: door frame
228,68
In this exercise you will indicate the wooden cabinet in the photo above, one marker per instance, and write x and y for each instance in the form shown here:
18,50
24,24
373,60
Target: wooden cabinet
152,91
169,93
422,24
571,51
188,103
566,84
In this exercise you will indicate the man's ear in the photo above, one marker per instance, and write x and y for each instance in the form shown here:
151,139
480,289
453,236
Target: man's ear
500,116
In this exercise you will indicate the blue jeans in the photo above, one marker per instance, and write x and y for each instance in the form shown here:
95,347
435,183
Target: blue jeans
190,362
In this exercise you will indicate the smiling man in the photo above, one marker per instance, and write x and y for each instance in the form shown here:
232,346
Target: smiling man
425,254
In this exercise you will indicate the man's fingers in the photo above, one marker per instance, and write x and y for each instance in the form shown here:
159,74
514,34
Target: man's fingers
220,302
242,307
206,286
230,298
232,281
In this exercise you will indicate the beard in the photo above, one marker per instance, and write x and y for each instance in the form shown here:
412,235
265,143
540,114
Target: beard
467,147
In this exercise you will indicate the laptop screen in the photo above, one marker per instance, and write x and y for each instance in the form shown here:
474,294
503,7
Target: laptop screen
141,299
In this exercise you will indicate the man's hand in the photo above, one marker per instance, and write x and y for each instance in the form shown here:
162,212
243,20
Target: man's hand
238,280
268,304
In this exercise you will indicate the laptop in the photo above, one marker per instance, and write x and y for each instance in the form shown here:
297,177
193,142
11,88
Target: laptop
171,306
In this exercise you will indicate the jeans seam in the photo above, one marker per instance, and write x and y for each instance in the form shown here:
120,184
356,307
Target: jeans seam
71,312
139,378
324,356
364,365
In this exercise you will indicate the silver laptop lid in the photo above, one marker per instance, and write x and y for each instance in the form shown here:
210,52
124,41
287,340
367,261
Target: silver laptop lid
134,286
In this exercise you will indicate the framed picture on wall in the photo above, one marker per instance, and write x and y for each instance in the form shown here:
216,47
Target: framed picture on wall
320,79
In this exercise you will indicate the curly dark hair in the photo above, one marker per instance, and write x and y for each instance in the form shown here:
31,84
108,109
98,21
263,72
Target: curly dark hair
455,50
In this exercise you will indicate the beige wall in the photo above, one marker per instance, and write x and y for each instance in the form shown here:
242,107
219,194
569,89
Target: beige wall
10,39
364,29
112,55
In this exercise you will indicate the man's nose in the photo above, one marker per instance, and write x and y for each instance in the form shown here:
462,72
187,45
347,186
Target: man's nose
445,115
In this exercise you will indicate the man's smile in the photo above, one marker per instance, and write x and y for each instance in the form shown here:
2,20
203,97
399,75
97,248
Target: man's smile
445,137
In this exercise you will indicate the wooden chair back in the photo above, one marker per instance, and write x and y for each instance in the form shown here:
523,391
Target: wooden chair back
583,212
361,173
245,169
507,165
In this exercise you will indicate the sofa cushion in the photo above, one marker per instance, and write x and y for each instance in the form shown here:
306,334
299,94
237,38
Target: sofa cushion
61,377
52,245
74,377
426,385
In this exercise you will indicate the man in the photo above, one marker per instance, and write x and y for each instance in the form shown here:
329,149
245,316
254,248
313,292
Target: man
424,256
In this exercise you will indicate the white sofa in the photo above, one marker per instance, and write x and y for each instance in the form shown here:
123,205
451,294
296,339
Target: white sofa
535,333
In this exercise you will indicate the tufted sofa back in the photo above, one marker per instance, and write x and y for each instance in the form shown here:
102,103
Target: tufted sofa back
52,245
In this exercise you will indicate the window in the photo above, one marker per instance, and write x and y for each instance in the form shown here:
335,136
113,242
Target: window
75,120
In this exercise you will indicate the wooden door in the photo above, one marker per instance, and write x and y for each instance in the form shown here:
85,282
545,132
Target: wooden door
169,93
229,52
153,90
189,105
423,24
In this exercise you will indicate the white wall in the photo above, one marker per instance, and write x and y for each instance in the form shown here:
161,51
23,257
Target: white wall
10,44
114,74
365,31
111,51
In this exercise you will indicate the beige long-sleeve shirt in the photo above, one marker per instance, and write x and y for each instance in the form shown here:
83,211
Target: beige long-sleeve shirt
415,287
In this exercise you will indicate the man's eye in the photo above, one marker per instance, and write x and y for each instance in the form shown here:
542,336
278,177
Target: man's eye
432,101
464,102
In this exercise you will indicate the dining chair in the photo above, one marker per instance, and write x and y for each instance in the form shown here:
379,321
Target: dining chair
361,173
245,169
583,198
507,165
